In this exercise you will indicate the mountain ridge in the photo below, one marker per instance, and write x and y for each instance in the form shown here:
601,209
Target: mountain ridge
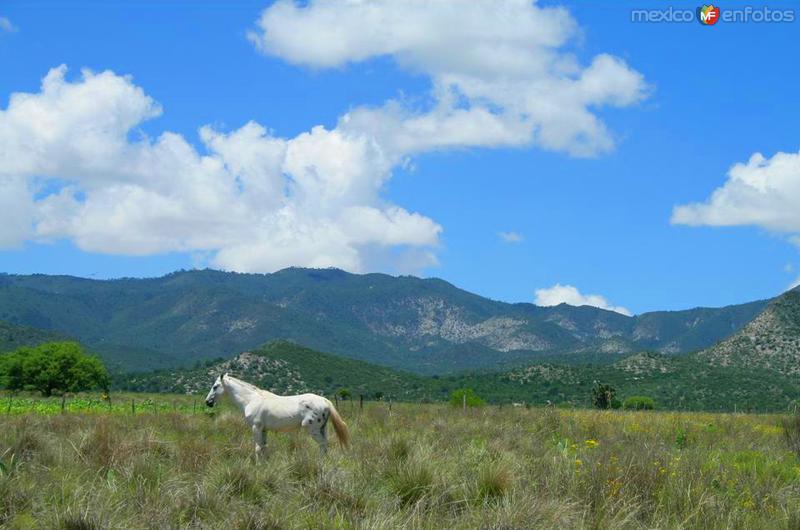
424,325
770,341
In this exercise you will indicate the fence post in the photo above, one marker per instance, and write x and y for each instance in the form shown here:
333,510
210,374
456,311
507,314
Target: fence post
194,406
63,402
464,401
336,401
10,395
390,406
133,406
361,401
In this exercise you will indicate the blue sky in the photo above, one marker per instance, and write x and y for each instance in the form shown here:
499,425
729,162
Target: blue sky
708,98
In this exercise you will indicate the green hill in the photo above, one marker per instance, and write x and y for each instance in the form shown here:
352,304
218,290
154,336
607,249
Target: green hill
426,326
287,368
771,341
13,337
686,382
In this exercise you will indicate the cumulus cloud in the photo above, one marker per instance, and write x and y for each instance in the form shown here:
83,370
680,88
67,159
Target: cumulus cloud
567,294
501,72
762,192
73,165
511,237
6,25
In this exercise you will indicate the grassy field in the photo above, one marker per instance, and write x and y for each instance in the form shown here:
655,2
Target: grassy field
418,466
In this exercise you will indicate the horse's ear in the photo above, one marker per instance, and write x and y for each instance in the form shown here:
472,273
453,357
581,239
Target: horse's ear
221,377
226,373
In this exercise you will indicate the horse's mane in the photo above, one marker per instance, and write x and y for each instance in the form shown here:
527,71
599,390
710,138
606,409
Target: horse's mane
249,386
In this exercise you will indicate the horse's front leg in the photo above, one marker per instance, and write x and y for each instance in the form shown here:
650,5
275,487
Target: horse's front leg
259,437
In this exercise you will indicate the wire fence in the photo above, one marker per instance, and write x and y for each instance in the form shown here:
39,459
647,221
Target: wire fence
107,404
130,403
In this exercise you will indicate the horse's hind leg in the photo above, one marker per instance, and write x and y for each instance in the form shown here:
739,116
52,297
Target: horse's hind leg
318,434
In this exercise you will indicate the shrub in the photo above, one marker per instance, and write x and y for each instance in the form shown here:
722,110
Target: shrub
53,367
494,481
639,403
603,395
457,398
411,481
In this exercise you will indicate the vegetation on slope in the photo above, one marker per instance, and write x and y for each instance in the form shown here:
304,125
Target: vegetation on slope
674,382
13,337
683,383
771,341
287,368
422,325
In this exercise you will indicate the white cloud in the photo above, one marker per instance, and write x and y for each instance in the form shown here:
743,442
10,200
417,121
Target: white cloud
252,201
511,237
567,294
502,74
75,165
763,192
6,25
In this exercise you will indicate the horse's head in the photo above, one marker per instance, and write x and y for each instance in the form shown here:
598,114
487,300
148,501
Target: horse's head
217,389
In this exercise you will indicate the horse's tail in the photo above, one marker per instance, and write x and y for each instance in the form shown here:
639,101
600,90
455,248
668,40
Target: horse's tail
339,426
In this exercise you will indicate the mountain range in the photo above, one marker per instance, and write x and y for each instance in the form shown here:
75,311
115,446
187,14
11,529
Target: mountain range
754,369
426,326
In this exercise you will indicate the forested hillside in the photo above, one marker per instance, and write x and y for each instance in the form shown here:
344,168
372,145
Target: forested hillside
686,382
423,325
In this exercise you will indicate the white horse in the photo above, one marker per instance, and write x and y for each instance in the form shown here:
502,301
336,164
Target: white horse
267,411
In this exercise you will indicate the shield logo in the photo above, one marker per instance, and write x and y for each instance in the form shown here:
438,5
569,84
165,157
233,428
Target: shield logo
708,15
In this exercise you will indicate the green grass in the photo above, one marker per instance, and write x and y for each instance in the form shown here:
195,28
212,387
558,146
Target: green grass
89,403
420,466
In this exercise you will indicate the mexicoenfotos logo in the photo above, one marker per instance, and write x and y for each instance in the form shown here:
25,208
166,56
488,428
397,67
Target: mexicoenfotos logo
708,15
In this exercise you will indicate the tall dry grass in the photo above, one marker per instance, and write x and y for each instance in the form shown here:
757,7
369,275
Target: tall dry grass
423,466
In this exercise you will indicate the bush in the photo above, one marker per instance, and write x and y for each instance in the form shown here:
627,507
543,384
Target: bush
639,403
472,399
53,367
603,396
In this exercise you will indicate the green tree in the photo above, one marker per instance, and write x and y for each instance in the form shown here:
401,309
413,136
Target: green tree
344,394
603,395
639,403
53,367
473,400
